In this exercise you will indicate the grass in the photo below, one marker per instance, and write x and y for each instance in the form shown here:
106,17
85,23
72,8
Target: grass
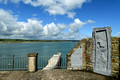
26,40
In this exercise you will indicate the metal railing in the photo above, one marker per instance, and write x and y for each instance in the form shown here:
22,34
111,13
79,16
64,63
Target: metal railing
18,63
6,63
13,63
43,61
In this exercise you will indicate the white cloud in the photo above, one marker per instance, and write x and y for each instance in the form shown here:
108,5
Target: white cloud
8,22
34,14
4,1
91,21
75,26
33,28
55,7
53,29
71,14
58,7
9,25
117,34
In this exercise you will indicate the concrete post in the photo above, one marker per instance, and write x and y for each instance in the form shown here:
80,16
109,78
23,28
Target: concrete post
32,62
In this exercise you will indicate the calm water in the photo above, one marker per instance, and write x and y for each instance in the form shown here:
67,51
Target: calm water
20,50
43,49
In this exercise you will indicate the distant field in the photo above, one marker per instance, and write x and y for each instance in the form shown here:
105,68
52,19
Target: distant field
25,40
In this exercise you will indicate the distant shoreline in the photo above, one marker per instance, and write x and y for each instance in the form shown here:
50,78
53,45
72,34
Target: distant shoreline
33,41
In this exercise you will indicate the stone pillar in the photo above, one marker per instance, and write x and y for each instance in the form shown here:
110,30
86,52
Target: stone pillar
32,62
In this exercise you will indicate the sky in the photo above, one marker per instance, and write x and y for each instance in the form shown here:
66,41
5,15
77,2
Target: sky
57,19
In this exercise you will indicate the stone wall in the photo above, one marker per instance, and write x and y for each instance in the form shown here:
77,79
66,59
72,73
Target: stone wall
87,55
115,58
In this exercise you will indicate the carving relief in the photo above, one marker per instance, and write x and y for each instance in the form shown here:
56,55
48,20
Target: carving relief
102,50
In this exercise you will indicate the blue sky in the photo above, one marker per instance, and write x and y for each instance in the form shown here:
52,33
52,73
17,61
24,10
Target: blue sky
57,19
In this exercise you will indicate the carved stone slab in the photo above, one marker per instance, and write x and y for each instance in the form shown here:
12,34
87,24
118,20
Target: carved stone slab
102,50
76,58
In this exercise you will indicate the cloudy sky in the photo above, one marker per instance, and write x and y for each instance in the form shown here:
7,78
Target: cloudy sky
57,19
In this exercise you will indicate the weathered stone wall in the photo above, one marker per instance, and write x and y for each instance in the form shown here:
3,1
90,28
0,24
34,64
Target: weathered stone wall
87,55
115,58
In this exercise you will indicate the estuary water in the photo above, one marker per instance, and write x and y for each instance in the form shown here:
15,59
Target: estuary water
21,50
43,48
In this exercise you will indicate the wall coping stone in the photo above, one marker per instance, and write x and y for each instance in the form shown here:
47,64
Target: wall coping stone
32,54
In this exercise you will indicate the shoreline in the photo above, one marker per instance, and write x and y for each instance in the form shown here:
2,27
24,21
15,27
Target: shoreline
34,42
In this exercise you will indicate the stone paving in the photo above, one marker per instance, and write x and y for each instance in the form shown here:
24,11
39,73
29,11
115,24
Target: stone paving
56,74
